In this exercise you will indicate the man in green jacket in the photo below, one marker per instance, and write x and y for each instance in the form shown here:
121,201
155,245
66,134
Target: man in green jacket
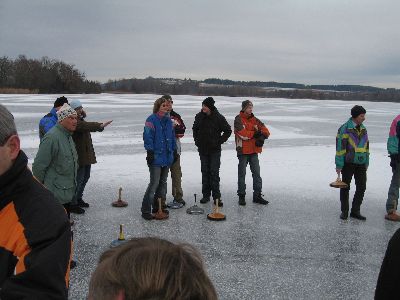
86,154
352,158
56,161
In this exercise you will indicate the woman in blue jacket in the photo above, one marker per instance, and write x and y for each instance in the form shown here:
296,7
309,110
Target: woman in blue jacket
159,142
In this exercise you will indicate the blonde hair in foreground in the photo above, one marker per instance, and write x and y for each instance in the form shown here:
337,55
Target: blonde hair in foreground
151,268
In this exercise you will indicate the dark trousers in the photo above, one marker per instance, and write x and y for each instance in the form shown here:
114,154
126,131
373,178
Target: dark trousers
210,164
82,177
360,177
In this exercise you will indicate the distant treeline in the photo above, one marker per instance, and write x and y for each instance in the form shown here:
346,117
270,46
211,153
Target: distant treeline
43,76
220,87
283,85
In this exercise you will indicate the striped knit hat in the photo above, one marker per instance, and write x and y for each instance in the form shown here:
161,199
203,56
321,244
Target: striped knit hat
64,112
245,104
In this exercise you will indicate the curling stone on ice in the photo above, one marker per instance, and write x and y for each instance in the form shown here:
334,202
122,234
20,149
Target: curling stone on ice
119,202
174,204
120,240
338,183
160,215
216,215
195,210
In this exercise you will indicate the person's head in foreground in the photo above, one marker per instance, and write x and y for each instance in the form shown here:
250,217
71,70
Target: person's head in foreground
151,269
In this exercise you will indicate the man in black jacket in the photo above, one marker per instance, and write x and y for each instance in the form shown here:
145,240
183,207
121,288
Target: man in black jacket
208,126
389,276
35,234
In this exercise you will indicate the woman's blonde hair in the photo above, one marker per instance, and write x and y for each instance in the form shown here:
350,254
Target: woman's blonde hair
151,268
157,104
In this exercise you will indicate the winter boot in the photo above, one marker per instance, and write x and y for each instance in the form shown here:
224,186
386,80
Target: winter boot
82,203
147,216
242,200
181,201
205,200
75,209
393,216
258,198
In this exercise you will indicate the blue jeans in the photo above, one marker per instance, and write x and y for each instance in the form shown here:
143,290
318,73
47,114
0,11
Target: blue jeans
393,194
157,187
82,177
210,164
251,159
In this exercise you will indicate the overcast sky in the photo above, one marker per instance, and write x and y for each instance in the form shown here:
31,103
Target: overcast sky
303,41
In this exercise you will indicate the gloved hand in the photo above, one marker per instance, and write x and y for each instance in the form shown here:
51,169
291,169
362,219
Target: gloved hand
260,140
257,134
393,161
176,156
150,157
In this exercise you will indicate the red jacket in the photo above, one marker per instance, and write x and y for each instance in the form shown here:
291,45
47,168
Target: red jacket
244,133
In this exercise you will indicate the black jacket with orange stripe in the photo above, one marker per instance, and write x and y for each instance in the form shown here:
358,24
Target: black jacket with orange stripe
35,238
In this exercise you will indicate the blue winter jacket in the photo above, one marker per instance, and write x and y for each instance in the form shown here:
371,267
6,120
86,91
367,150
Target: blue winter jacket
47,122
159,137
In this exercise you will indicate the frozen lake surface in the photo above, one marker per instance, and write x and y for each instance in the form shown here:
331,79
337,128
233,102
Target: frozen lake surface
294,248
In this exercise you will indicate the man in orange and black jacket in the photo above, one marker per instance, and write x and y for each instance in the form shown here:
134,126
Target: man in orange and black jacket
250,134
35,234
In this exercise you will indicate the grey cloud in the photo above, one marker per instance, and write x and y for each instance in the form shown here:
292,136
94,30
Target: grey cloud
309,41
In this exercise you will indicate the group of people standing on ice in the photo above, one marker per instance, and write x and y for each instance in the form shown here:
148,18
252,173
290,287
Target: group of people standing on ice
66,153
162,132
35,235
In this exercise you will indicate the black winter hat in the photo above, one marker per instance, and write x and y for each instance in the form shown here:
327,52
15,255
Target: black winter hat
245,104
60,101
357,110
209,102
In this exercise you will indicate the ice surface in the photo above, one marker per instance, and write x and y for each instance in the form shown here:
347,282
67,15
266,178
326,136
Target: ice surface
294,248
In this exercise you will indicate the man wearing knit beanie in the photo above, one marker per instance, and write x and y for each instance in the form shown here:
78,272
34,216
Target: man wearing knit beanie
49,120
210,131
246,104
209,103
64,112
352,159
250,134
56,161
86,155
